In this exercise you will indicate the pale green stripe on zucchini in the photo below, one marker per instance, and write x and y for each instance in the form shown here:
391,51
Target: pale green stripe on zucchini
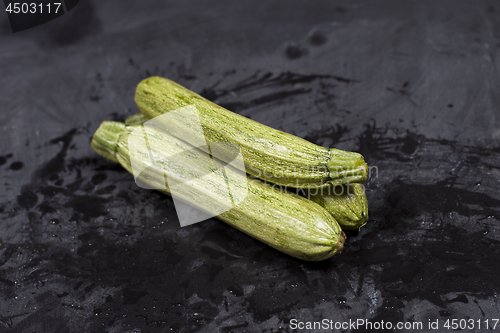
287,222
269,154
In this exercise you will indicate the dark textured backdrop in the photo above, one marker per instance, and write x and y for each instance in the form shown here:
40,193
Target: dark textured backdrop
414,86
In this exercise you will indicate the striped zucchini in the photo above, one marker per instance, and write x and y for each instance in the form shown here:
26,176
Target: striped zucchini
347,203
287,222
269,154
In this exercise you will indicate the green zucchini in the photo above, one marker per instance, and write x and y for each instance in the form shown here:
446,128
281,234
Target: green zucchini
268,154
285,221
347,203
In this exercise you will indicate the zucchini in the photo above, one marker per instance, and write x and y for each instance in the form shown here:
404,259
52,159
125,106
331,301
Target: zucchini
268,154
285,221
347,203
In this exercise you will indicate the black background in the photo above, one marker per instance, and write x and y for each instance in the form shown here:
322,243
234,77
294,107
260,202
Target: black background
413,86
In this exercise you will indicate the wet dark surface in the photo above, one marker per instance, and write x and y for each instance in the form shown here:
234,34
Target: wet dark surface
413,86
